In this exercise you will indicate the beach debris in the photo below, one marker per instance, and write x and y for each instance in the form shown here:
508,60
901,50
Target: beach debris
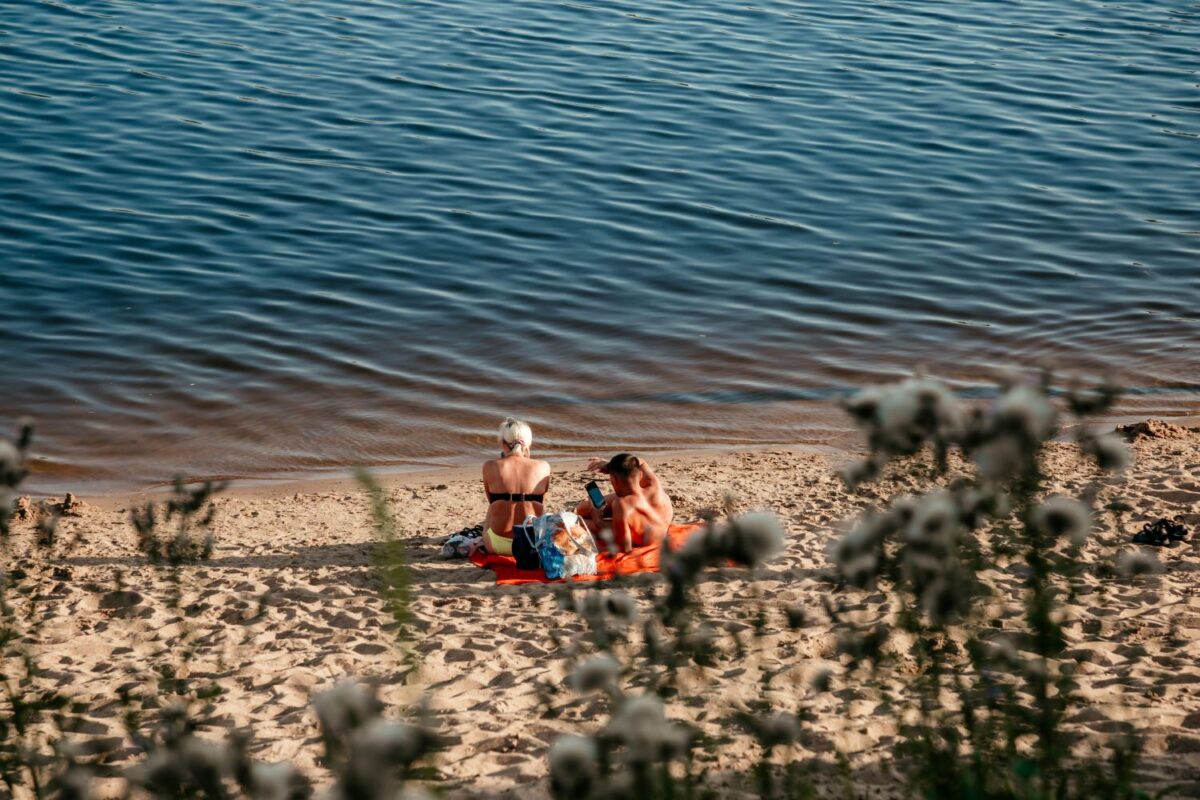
29,510
23,509
1154,429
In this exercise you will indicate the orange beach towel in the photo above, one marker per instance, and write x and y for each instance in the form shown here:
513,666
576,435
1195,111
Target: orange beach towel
640,559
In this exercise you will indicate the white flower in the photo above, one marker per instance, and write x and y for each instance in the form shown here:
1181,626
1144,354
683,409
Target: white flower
934,398
382,744
864,537
1110,452
344,708
701,640
75,784
1027,411
1064,517
10,460
416,793
598,672
857,553
1132,563
780,729
755,537
621,606
865,404
1000,459
572,766
822,680
899,417
1004,651
935,523
273,781
859,571
207,762
641,725
896,416
857,472
692,556
161,770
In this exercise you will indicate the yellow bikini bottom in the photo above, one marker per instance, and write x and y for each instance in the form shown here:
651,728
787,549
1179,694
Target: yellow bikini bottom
498,543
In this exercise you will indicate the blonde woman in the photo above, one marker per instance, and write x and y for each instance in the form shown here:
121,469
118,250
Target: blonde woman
515,485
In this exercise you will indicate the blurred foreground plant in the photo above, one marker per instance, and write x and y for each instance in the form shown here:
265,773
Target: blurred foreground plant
979,704
391,558
191,510
39,754
983,716
12,472
369,758
44,752
639,751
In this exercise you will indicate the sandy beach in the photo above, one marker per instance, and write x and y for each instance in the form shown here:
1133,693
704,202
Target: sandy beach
287,606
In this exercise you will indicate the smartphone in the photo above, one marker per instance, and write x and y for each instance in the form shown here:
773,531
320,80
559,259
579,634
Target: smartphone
595,495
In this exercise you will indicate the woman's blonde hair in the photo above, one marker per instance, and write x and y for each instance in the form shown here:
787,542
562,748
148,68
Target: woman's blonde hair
516,434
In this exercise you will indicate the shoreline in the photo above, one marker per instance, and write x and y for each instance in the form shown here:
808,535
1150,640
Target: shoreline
845,445
343,481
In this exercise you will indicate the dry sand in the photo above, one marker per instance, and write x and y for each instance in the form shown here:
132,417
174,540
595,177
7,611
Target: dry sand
484,650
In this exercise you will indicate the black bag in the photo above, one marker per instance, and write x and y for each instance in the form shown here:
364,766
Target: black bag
524,544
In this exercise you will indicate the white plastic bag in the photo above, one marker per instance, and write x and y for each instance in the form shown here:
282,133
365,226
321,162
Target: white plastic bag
565,545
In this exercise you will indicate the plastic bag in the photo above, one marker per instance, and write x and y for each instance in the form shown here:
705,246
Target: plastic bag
565,545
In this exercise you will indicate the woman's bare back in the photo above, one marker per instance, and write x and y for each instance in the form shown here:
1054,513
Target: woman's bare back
514,474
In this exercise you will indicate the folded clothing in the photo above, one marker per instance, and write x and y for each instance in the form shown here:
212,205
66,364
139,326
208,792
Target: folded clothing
608,565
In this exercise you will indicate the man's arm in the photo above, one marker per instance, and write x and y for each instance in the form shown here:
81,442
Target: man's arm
622,535
649,480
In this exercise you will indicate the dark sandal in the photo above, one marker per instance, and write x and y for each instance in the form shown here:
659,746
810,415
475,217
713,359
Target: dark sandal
1162,532
1176,530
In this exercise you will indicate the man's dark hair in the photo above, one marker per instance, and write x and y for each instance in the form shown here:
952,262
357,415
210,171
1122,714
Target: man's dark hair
623,465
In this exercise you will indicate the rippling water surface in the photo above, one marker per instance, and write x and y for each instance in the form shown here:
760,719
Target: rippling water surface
259,238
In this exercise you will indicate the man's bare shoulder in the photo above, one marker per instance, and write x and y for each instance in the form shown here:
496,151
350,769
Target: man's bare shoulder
625,506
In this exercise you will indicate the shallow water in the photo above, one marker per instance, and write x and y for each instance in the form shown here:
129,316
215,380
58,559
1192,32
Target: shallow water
264,238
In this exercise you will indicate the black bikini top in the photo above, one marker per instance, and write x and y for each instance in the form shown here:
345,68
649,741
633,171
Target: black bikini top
515,497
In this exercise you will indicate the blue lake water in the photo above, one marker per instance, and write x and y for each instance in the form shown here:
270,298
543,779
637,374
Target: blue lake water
258,238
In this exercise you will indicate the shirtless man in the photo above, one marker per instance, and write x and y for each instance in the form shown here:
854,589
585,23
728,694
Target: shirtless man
639,508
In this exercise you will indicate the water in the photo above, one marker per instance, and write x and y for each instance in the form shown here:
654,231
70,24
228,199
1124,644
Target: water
269,238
